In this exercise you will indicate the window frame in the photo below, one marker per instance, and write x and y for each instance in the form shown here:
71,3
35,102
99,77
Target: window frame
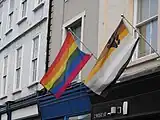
22,18
37,5
10,15
4,93
37,1
16,90
1,6
31,82
22,5
11,10
138,24
64,33
1,20
10,20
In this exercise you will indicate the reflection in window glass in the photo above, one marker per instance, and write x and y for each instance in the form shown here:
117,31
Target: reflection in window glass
149,31
154,35
147,25
153,7
143,47
77,31
147,9
82,117
143,9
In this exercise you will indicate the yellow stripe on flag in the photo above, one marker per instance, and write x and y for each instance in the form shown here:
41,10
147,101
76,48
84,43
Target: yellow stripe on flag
123,34
62,69
99,65
101,62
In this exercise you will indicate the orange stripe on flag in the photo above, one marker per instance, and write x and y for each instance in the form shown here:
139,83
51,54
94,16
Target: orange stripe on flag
99,65
122,32
60,69
66,45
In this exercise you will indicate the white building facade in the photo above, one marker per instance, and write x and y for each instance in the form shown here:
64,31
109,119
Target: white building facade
94,21
23,39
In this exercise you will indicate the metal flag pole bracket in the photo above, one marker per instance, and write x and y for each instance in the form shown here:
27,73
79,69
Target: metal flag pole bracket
123,17
86,48
82,43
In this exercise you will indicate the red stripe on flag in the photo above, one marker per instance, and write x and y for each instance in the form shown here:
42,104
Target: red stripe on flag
67,43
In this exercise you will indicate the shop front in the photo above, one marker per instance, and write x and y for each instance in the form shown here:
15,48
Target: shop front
21,109
131,100
73,105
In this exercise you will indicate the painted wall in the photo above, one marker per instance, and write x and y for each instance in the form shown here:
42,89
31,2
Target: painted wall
22,34
64,12
112,16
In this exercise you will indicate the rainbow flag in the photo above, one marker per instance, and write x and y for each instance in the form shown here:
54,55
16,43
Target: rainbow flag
68,63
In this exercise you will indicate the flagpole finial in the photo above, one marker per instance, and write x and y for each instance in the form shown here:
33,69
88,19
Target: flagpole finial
122,15
69,29
158,58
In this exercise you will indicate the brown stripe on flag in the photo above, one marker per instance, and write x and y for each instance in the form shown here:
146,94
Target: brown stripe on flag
121,28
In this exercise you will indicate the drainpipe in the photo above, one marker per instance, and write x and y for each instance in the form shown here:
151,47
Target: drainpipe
8,109
0,108
48,34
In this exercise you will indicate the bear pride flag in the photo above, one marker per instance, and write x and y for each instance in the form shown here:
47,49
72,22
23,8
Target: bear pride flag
113,60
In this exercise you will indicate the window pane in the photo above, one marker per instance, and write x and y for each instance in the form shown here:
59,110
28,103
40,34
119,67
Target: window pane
143,10
10,20
11,5
4,85
0,20
39,1
82,117
153,7
0,30
24,8
35,47
144,49
5,65
34,70
1,13
18,72
77,31
154,35
19,57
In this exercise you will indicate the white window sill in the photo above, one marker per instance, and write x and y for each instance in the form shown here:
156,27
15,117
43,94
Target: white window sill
40,5
143,59
22,20
3,97
33,84
17,91
9,31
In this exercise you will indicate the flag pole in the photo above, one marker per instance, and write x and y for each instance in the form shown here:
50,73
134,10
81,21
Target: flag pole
85,47
82,43
123,17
